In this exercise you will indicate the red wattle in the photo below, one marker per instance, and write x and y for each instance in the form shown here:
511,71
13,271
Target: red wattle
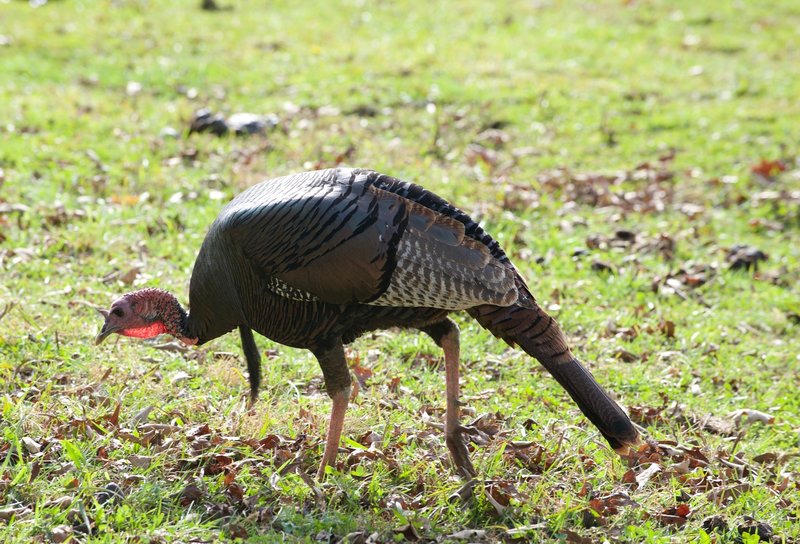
149,331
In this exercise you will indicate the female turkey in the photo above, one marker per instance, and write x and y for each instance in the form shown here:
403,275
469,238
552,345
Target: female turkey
314,260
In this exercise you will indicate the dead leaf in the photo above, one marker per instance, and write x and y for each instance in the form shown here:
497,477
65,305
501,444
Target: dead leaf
31,445
767,168
602,266
723,494
675,515
111,493
61,533
754,527
238,531
140,461
625,356
467,534
408,532
141,416
8,514
715,523
747,416
179,376
361,373
772,458
643,477
744,257
191,493
235,492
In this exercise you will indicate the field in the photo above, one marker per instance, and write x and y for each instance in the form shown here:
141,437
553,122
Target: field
639,161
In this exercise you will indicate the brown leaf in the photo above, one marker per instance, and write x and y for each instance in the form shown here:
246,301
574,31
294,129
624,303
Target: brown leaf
7,514
200,430
715,523
191,493
602,266
235,492
723,494
575,538
744,257
361,373
236,530
369,438
674,515
625,356
768,168
113,418
218,463
61,533
773,458
408,532
747,416
754,527
130,275
610,504
140,461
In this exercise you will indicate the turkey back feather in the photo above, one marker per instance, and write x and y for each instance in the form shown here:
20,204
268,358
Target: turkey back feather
354,237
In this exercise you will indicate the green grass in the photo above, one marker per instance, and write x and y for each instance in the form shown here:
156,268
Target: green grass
673,102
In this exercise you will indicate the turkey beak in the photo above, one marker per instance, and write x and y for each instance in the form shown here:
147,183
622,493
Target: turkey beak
106,330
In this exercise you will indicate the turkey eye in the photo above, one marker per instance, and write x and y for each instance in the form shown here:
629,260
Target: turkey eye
117,312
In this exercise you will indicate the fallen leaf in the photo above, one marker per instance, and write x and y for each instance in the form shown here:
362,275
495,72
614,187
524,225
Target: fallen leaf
179,376
715,523
643,477
467,534
191,493
602,266
60,533
141,416
408,532
140,461
768,168
236,530
754,527
747,416
675,515
7,514
625,356
31,445
744,257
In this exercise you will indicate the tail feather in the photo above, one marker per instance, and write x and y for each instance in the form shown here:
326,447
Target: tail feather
538,334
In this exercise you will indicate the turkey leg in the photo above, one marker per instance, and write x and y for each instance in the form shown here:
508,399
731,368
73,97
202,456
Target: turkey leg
445,334
340,401
337,383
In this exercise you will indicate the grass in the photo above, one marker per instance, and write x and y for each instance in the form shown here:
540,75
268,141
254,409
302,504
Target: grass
558,124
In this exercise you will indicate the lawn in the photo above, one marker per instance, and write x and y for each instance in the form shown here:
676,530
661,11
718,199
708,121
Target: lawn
639,161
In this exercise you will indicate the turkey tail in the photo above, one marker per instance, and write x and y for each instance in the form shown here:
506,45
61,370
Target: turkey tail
539,336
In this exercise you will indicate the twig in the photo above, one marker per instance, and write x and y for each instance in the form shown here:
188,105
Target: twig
7,309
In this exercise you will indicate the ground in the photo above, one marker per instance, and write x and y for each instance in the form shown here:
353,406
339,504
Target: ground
637,159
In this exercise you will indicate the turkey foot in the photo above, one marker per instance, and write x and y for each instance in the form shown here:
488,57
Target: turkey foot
460,455
445,334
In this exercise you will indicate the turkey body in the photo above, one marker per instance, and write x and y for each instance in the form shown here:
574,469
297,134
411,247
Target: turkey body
336,253
314,260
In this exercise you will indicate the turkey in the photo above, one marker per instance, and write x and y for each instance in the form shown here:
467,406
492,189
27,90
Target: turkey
316,259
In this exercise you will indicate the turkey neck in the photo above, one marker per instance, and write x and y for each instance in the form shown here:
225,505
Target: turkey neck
214,303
